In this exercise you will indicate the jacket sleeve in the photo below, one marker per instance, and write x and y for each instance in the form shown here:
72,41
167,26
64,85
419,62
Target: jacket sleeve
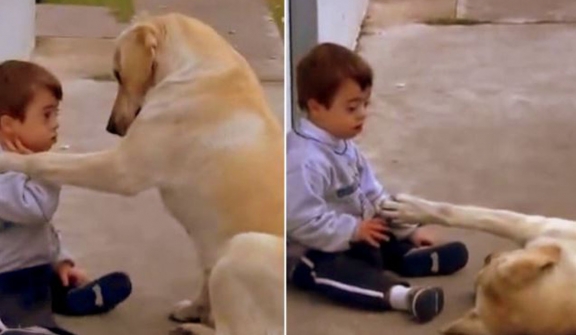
368,182
27,201
309,221
376,194
63,253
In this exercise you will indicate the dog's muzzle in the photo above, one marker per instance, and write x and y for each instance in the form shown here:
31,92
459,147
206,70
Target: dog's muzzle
111,127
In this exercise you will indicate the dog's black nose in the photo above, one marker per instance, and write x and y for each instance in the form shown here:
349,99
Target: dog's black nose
111,128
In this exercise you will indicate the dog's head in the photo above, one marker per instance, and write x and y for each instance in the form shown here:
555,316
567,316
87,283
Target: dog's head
505,277
515,270
134,69
154,48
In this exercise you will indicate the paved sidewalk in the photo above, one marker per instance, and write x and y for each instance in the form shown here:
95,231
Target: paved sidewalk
480,114
108,232
247,24
518,10
71,21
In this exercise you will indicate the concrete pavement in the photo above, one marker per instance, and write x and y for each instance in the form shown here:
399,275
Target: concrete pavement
246,24
135,235
518,10
108,232
480,114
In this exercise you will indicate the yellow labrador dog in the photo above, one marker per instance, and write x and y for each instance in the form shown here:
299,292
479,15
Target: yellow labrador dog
528,291
196,127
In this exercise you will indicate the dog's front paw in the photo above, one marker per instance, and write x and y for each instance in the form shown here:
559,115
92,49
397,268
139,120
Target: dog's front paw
192,329
188,311
404,208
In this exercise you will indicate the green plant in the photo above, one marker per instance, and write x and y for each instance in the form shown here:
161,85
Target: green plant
123,9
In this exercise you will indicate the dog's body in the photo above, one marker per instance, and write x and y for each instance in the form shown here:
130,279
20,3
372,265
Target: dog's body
198,129
529,291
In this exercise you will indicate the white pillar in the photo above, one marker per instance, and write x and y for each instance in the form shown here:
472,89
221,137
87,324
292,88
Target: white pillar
318,21
17,29
339,21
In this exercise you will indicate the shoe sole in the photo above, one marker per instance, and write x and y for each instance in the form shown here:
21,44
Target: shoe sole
447,259
427,304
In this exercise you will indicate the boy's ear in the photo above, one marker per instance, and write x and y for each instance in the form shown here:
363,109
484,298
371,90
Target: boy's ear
7,124
314,106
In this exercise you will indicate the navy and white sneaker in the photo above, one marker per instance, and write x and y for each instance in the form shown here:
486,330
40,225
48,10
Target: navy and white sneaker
437,260
425,303
99,296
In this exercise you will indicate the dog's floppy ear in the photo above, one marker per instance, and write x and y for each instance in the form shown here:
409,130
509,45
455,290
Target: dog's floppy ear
531,264
469,324
148,36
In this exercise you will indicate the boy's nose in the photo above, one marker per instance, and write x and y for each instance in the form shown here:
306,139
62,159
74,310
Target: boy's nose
363,113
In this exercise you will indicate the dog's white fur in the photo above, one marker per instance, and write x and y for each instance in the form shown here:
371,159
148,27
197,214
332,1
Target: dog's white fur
206,139
528,291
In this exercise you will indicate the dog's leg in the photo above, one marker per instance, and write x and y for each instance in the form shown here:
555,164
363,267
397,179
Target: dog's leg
197,310
507,224
104,171
247,287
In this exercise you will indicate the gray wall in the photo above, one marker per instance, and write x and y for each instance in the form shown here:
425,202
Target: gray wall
303,26
17,29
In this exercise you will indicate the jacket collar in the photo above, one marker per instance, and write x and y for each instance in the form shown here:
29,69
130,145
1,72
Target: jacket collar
311,131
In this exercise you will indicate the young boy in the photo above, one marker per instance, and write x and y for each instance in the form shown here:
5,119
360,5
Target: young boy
337,243
37,276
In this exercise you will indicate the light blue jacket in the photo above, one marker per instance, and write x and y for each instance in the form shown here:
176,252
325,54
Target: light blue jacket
330,190
27,238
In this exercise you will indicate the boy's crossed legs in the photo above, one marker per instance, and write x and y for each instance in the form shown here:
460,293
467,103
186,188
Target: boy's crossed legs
355,277
28,298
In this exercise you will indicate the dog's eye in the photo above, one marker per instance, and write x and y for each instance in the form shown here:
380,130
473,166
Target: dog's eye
488,259
117,75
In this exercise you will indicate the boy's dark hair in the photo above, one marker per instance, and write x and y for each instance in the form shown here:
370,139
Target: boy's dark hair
321,72
19,81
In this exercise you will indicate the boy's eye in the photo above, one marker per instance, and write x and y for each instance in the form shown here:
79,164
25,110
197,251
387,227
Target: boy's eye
51,113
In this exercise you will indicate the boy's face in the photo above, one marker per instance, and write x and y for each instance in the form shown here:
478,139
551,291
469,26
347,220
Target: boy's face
38,131
345,118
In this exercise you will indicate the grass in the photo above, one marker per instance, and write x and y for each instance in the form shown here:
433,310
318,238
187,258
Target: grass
123,9
277,9
453,22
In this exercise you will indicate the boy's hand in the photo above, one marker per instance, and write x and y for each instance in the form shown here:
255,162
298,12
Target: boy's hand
372,231
15,145
421,238
70,275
